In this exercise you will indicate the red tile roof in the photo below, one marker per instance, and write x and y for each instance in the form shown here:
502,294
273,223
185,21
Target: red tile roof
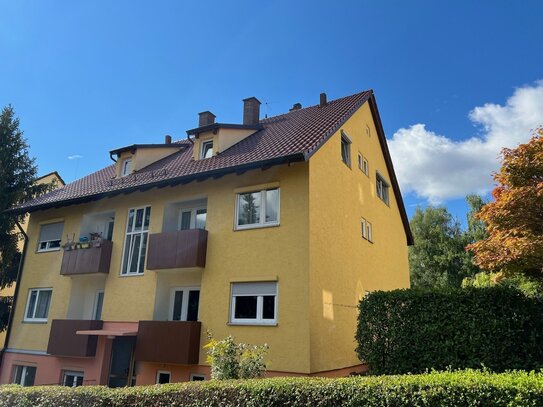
292,136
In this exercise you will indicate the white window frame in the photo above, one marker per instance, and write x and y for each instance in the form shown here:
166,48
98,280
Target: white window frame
24,368
142,232
184,303
194,375
48,242
38,290
263,203
360,161
368,131
72,373
348,142
382,188
95,306
369,232
126,167
159,372
363,228
365,166
203,150
259,307
193,212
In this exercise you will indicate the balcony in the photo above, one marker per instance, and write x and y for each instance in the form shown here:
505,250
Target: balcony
168,342
179,249
87,261
63,340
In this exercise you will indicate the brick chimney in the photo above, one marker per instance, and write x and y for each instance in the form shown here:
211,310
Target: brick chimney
168,139
323,100
251,111
205,118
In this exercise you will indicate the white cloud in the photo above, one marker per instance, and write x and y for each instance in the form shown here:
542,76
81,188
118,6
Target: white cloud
74,157
438,168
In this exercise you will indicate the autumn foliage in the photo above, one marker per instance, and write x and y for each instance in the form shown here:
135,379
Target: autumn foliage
515,218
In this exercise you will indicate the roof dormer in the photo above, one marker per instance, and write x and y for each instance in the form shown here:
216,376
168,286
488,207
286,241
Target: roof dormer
133,158
212,138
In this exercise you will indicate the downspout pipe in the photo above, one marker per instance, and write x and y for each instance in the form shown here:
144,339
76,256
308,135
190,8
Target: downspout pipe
15,294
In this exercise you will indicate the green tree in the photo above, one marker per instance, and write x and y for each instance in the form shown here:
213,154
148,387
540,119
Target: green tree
438,258
17,175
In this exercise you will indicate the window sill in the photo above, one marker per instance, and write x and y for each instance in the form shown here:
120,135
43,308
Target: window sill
132,275
271,225
30,321
48,250
251,324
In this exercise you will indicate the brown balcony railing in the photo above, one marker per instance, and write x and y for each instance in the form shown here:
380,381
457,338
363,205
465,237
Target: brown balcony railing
63,340
87,261
184,248
168,342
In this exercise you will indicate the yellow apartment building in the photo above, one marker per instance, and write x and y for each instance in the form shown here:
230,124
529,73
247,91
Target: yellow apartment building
271,230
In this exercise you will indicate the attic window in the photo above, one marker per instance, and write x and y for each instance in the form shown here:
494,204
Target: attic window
345,149
126,167
382,188
206,151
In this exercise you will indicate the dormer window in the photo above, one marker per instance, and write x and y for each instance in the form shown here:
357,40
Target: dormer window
126,167
206,151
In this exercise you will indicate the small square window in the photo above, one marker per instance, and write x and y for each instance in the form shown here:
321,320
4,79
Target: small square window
163,377
72,379
345,149
206,150
254,303
126,167
382,188
197,377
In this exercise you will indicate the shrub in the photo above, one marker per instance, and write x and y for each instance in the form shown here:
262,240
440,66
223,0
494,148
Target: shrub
230,360
410,331
467,388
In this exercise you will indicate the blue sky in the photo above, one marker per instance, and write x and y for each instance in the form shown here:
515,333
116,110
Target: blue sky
86,77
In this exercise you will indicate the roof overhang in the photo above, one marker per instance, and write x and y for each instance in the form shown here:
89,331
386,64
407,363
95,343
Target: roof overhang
135,147
216,126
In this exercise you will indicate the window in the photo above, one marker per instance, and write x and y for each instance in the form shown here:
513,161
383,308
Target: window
193,218
98,303
126,167
163,377
135,246
345,148
50,237
72,379
366,229
254,303
206,149
368,132
197,377
257,209
359,161
382,188
37,306
24,375
365,167
184,304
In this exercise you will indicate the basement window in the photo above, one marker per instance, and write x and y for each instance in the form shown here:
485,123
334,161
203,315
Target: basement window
163,377
206,150
24,375
254,303
72,379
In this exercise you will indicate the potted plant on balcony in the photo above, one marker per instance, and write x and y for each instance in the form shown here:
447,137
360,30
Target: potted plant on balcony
84,242
70,243
96,239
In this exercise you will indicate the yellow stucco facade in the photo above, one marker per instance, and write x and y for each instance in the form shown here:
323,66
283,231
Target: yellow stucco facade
316,254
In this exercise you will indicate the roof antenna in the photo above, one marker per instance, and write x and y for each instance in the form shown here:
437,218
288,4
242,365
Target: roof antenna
267,105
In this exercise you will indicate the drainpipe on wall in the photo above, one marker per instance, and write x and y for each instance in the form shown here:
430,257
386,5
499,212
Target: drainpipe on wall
17,284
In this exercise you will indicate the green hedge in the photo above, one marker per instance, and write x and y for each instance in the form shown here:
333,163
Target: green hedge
411,331
465,388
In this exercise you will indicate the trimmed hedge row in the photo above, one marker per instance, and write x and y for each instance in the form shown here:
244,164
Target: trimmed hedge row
462,388
411,331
